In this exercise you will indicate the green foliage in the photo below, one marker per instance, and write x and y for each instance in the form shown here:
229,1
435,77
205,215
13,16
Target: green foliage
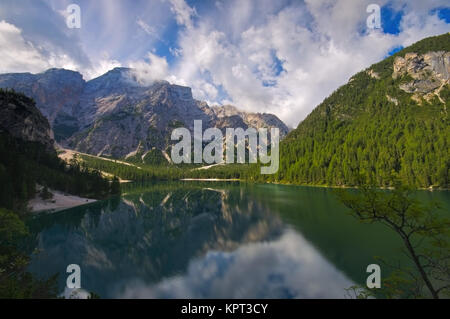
9,95
15,281
358,131
436,43
24,164
424,232
143,173
11,228
124,171
154,157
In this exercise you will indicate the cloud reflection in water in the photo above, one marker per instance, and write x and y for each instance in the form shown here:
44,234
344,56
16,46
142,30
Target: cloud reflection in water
288,267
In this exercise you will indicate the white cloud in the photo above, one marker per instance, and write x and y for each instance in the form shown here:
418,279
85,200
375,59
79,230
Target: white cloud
100,67
144,26
184,14
415,27
175,51
45,28
20,55
320,44
156,68
235,47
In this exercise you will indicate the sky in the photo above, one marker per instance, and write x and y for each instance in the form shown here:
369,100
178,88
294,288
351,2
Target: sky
282,57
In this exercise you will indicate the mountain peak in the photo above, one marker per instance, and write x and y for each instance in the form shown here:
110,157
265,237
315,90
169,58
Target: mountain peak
120,69
116,72
63,75
59,70
115,114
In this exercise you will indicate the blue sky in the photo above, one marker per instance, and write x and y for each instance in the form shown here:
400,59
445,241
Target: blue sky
282,57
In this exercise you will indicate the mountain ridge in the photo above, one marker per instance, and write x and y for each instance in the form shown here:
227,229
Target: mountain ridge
116,115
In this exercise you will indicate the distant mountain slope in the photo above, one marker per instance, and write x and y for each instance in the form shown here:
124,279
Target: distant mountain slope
114,115
228,112
390,118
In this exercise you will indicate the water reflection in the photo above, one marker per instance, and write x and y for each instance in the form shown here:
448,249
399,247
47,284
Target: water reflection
288,267
183,240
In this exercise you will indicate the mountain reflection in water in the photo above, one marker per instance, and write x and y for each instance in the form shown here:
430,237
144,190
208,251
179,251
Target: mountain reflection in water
208,240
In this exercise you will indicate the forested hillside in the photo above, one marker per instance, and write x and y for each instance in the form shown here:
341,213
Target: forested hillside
143,172
389,119
27,158
25,163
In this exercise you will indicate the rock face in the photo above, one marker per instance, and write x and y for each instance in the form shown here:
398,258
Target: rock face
114,115
56,92
430,72
257,120
20,118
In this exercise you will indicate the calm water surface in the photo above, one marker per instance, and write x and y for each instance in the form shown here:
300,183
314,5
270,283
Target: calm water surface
213,240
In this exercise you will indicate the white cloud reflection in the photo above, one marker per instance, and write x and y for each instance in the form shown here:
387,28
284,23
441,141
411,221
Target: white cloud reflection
288,267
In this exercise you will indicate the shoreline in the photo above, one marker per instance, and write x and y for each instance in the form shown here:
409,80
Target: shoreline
429,189
211,179
58,202
61,201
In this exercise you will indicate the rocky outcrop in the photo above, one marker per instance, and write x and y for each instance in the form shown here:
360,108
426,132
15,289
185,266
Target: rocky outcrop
429,73
373,74
20,118
56,92
115,115
392,99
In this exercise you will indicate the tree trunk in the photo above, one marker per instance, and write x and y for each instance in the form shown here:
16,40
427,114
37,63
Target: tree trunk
422,272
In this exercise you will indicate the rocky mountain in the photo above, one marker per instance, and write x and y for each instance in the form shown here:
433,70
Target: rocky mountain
228,112
20,119
56,93
115,115
388,120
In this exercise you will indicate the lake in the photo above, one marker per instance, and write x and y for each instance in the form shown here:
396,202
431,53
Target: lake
214,240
